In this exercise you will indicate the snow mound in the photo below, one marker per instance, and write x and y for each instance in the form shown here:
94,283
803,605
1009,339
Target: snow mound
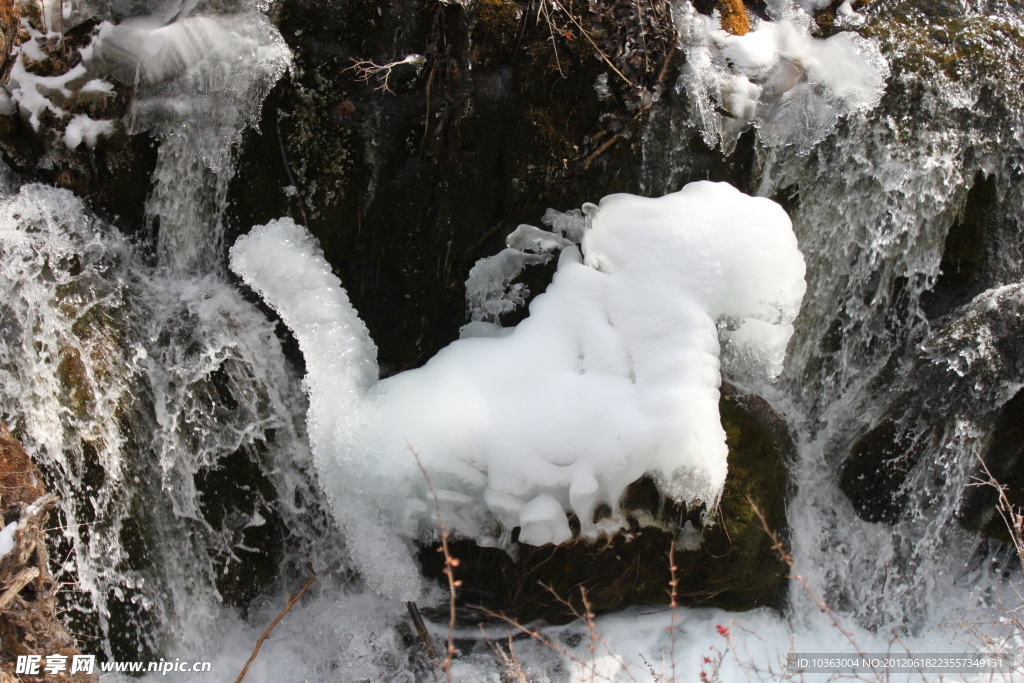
614,374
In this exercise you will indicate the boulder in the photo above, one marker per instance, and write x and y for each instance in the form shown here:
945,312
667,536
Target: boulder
949,379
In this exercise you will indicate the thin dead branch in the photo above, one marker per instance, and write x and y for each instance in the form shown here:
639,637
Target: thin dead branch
421,628
450,563
29,619
266,634
779,546
366,71
1011,514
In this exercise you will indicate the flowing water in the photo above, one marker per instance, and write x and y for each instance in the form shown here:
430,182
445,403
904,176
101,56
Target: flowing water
159,400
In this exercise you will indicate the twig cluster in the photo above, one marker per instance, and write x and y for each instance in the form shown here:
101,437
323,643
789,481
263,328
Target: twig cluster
367,71
29,622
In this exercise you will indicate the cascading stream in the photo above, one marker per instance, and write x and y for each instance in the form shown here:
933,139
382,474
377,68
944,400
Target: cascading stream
168,418
159,400
904,212
876,206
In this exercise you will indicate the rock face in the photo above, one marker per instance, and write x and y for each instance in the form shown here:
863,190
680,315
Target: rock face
406,189
728,563
9,24
28,602
961,372
507,113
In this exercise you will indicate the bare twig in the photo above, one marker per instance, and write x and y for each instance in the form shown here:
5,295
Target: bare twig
779,546
673,594
540,638
421,628
449,569
20,581
586,35
1011,514
266,634
288,171
365,70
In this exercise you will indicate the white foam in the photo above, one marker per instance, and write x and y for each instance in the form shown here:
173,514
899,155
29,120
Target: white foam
7,538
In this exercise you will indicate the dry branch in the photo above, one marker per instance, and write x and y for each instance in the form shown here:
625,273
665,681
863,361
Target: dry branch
28,602
266,634
450,563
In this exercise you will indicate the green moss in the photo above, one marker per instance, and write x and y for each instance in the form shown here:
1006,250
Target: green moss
961,48
496,25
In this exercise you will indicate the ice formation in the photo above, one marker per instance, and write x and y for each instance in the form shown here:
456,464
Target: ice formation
199,76
789,85
614,374
83,128
7,538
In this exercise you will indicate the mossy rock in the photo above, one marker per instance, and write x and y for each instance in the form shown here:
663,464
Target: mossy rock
734,567
961,48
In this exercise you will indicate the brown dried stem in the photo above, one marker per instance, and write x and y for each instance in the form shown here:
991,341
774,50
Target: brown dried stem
449,569
779,546
366,70
1011,514
266,634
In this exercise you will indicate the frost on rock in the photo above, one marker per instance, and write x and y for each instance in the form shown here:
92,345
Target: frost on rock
790,86
614,374
83,128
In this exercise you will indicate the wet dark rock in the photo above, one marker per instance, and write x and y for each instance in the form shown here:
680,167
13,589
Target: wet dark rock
238,498
407,189
873,476
962,371
966,258
734,566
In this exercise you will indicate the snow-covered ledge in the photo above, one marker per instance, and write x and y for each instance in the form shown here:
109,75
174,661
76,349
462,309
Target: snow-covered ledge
614,374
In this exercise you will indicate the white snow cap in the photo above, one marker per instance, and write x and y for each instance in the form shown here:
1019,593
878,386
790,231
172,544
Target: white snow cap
614,374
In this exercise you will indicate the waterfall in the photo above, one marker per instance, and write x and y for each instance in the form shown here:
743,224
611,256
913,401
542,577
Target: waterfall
158,399
874,227
165,411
